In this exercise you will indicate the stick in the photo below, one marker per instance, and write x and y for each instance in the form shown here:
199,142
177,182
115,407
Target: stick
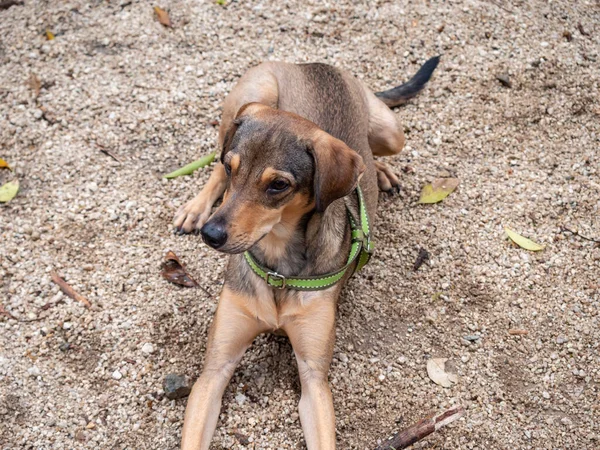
576,233
64,286
421,429
4,312
107,152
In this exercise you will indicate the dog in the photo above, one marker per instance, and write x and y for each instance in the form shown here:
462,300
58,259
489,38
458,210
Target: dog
300,189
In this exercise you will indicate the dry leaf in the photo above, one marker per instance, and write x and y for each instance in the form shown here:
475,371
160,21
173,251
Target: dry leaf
35,84
8,191
49,35
4,164
439,373
172,270
68,290
523,242
163,17
438,190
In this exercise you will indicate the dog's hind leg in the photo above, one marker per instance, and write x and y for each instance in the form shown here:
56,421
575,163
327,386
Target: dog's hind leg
386,134
386,138
257,85
232,332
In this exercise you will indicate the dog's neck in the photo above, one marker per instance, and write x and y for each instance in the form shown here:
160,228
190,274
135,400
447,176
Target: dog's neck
309,244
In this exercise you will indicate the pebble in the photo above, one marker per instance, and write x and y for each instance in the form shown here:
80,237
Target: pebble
117,375
147,348
176,386
240,399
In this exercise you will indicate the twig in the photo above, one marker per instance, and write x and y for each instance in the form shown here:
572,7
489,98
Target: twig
564,229
421,429
518,332
64,286
106,151
501,6
4,312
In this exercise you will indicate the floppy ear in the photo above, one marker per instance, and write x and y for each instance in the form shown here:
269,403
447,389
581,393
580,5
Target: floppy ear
229,134
337,169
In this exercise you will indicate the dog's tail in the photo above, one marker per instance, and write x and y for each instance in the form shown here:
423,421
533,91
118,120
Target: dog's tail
401,94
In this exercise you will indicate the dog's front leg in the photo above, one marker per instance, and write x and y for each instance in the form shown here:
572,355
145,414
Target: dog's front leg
312,332
232,332
195,213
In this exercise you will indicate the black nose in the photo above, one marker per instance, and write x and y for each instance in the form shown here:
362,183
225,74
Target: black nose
214,234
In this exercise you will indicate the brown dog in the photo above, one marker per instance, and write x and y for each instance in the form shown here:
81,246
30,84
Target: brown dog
296,141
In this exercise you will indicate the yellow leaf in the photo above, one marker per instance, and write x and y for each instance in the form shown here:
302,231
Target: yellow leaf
49,35
523,242
4,164
438,190
8,191
163,16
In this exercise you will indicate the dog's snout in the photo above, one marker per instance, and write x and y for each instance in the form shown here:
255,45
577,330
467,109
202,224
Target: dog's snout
214,234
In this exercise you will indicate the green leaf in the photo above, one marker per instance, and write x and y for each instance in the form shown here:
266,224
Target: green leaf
438,190
8,191
523,242
220,2
192,167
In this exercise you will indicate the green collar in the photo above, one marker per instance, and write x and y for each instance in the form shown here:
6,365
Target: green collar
360,252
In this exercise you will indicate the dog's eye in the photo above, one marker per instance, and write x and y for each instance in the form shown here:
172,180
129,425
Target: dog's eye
227,168
278,186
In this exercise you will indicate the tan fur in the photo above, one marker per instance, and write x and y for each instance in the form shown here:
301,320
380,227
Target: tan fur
273,244
234,162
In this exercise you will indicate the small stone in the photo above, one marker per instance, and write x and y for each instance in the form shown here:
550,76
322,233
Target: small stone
240,399
147,348
546,395
67,326
176,386
381,377
472,337
117,375
561,340
504,80
34,371
64,347
343,357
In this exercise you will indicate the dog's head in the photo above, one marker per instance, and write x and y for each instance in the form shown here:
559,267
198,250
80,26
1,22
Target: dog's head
279,167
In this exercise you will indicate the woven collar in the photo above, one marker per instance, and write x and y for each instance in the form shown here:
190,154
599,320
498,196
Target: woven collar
360,252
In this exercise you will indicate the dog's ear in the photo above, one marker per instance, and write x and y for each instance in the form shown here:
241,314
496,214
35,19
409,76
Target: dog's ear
338,169
229,134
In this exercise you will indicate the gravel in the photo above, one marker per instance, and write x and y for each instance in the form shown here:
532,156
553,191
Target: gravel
114,79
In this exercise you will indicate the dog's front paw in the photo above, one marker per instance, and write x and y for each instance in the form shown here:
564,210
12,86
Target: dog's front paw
191,216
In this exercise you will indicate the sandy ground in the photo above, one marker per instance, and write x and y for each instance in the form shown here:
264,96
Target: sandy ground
527,157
